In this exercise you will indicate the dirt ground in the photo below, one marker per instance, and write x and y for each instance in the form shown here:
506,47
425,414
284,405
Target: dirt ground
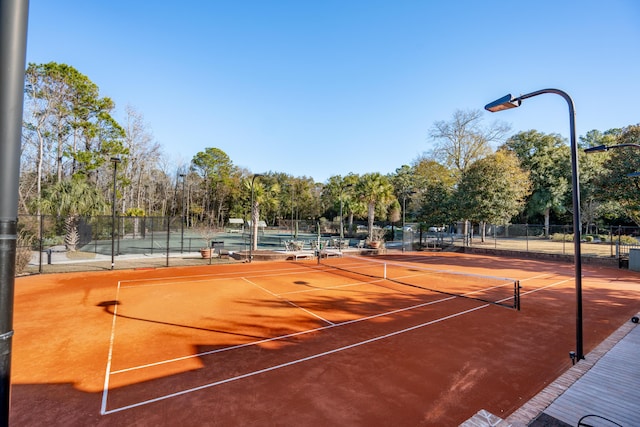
604,249
288,343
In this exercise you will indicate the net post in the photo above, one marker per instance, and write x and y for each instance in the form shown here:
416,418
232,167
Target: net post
516,295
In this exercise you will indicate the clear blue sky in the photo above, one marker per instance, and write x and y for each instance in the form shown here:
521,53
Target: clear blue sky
321,88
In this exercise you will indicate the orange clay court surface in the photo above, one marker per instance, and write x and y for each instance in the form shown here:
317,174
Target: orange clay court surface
297,344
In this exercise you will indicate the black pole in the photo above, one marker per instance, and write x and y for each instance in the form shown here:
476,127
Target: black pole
168,237
404,208
13,49
507,102
41,239
183,216
577,223
115,161
253,220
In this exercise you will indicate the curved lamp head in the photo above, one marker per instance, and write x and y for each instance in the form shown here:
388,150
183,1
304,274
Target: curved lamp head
504,103
597,149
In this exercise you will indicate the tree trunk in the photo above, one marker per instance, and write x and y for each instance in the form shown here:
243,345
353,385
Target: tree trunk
350,230
371,214
547,214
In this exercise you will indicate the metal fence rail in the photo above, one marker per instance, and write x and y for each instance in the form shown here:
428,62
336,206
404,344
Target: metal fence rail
47,243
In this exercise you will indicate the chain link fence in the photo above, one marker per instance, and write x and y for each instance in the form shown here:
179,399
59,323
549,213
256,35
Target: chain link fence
614,241
55,244
52,244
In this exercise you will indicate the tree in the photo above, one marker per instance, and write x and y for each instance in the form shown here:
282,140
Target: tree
615,183
493,189
339,191
435,191
143,156
71,199
547,158
463,140
262,194
215,169
592,166
376,192
405,183
68,127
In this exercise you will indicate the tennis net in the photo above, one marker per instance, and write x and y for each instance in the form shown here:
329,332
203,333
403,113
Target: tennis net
501,291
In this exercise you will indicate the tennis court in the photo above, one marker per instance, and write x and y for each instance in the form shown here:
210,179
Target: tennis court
399,339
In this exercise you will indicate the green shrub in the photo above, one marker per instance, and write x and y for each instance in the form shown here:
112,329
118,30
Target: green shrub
559,237
23,251
625,240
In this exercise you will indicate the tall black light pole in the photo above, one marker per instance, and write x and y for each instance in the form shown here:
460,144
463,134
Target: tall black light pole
183,216
293,193
507,102
115,161
13,51
404,208
253,222
341,223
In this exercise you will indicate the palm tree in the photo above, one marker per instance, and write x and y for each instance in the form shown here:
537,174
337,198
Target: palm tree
263,194
73,198
375,191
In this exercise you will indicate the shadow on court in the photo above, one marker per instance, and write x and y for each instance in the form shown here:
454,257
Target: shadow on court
430,362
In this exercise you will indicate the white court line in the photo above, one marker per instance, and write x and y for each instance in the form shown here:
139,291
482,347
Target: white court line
293,362
108,373
105,390
546,287
288,302
207,277
536,277
283,337
329,288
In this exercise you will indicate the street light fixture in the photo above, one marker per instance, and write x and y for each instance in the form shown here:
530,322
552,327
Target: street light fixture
252,235
602,148
115,161
507,102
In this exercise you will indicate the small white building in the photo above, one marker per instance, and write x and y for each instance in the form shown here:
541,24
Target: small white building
236,225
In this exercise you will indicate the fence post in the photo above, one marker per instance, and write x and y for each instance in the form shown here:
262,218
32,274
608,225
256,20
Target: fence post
168,233
611,240
41,245
619,241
